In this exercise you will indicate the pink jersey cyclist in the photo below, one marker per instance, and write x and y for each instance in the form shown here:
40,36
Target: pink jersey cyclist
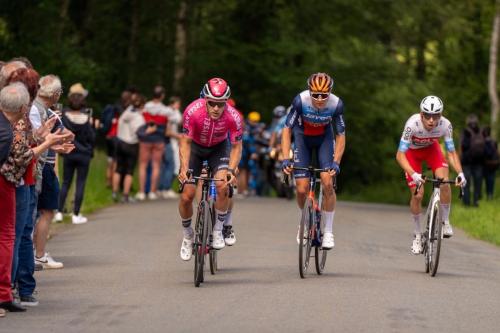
207,132
212,133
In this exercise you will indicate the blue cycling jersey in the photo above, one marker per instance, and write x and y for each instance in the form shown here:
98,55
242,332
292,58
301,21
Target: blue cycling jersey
313,121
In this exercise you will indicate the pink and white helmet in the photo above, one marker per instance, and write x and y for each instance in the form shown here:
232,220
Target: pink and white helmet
216,89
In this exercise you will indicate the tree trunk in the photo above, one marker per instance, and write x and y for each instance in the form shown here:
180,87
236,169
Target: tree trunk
132,46
180,48
63,17
492,73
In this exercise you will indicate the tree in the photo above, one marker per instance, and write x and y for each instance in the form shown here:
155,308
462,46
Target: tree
492,74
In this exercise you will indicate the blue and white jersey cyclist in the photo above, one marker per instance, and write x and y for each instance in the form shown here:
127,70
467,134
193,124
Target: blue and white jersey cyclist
317,123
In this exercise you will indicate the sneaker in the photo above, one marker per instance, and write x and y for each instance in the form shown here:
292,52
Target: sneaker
79,219
48,262
417,246
186,249
38,266
58,217
28,301
229,237
447,230
328,241
114,196
152,196
140,196
218,240
170,194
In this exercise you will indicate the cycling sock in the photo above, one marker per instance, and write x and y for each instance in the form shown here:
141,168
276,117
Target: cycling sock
187,230
220,217
416,221
229,218
327,217
445,212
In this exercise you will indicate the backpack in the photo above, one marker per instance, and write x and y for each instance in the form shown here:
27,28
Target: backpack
477,145
492,161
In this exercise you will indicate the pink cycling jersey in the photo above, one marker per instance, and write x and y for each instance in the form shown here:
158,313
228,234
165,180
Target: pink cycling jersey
207,132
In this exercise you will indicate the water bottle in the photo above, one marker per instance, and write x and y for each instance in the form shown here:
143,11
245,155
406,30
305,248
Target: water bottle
213,191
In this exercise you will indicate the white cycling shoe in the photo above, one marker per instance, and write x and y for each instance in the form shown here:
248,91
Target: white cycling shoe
328,241
229,236
186,249
417,246
218,242
447,230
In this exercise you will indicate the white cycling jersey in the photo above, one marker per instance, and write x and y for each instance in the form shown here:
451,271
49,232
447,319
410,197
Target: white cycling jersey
415,136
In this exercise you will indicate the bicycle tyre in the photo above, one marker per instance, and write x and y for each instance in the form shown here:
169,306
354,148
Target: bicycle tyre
435,241
212,252
320,259
305,243
201,244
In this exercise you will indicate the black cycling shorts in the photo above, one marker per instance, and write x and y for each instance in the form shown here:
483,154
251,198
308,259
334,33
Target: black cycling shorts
217,157
126,157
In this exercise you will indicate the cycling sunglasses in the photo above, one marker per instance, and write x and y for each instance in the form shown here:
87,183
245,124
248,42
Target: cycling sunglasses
320,96
428,116
213,104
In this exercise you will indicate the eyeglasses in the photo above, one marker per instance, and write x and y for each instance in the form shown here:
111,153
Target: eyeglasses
320,96
428,116
213,104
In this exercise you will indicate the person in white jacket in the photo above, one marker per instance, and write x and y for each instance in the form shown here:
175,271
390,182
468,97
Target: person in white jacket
127,150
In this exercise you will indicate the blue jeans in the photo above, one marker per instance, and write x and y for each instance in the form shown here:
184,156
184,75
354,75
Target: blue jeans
23,263
167,169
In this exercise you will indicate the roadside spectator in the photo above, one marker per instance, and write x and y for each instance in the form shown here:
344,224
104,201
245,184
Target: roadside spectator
109,128
170,161
19,171
47,182
12,101
491,163
472,145
7,69
128,146
152,142
78,120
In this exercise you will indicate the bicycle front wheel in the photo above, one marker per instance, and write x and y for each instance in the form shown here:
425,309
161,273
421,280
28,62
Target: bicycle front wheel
200,248
435,240
305,237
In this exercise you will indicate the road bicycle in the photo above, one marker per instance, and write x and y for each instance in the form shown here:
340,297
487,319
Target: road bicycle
433,234
205,221
310,225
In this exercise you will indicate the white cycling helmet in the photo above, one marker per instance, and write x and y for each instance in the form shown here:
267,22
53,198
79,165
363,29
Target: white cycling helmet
431,105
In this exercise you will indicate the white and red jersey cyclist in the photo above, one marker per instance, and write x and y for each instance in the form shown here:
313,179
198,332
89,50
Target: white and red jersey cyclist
212,132
420,143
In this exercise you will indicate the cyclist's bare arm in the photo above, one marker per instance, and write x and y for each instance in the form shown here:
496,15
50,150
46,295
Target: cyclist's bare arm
235,155
184,154
339,147
286,139
403,162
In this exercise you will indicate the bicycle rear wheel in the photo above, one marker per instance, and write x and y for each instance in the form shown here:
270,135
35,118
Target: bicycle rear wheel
320,259
201,242
213,262
212,252
435,241
305,237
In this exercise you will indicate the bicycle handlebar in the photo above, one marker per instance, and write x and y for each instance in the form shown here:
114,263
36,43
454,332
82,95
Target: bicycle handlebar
439,181
189,173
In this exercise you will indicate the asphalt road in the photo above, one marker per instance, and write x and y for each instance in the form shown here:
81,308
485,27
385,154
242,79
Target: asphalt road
123,274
